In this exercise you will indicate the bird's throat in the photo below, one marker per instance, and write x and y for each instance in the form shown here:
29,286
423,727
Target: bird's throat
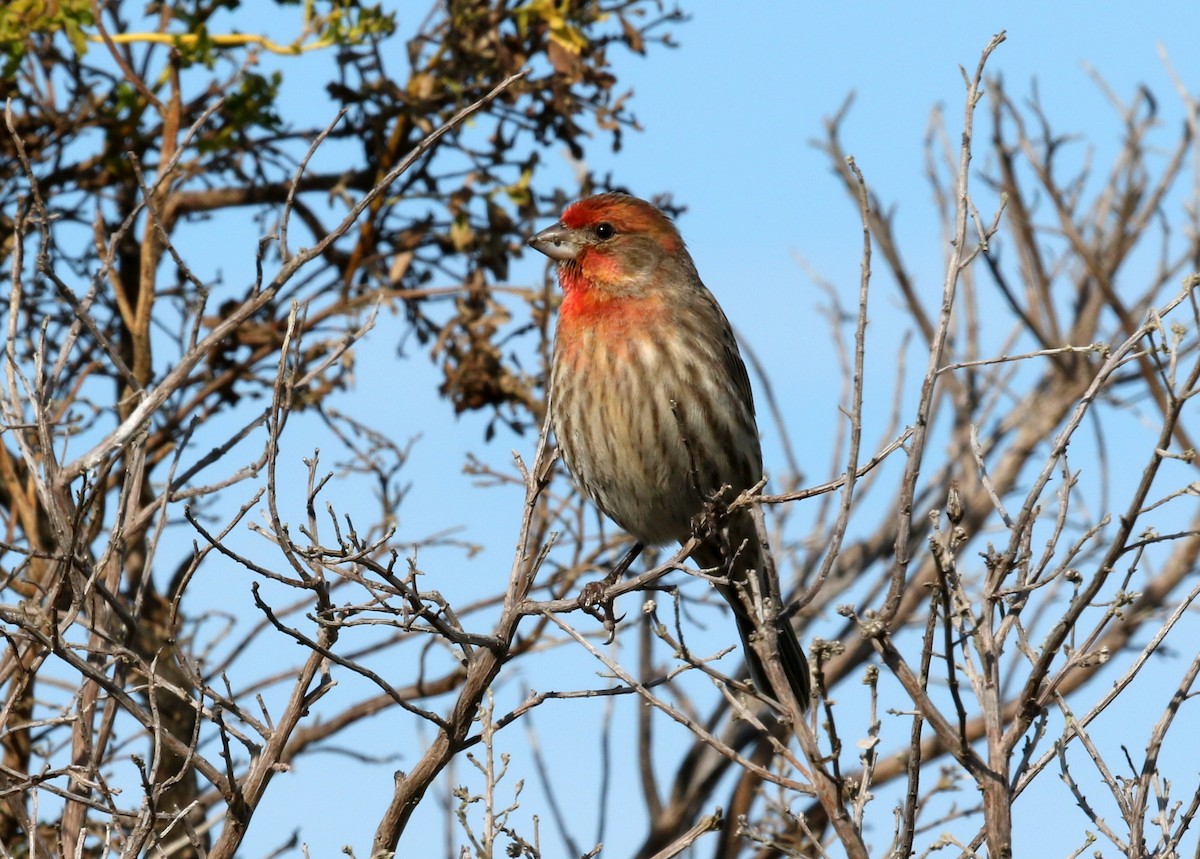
590,311
593,294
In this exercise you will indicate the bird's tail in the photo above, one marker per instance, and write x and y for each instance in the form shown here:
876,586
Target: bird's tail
748,560
791,659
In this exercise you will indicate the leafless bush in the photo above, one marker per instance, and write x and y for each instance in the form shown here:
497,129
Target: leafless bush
982,583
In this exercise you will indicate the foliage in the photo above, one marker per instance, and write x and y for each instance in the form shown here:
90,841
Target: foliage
129,130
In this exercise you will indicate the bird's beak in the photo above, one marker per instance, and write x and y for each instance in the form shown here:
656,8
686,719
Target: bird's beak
556,242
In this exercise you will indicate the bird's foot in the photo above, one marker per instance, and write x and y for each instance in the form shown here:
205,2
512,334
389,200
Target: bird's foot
594,599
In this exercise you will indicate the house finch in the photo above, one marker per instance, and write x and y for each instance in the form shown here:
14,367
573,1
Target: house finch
651,403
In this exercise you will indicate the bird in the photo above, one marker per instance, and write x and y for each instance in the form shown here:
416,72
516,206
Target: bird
651,404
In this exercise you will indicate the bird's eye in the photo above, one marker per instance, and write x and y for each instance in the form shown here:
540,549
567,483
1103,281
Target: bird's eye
605,231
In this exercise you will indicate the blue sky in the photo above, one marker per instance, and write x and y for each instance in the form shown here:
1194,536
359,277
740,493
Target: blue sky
728,117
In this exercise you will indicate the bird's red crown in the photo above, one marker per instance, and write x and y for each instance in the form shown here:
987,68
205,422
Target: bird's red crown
627,215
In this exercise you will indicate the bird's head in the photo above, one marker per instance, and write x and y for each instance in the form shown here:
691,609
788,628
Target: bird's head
611,245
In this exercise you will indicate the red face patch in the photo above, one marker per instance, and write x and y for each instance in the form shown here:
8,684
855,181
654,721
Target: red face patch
626,215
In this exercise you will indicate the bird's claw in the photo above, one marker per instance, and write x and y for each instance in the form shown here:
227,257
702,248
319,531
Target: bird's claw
592,601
